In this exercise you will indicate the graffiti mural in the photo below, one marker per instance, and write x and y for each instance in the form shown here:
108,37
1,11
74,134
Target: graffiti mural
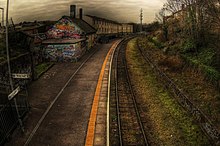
64,52
64,28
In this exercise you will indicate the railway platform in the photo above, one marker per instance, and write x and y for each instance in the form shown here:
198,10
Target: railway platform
66,101
93,103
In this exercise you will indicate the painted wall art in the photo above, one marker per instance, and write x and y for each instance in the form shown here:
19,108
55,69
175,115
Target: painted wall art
64,52
64,28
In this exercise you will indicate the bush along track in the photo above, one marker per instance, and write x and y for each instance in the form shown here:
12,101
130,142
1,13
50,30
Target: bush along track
167,123
197,108
41,69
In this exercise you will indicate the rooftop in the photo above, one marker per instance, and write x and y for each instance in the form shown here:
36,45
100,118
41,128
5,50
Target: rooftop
87,28
102,19
62,41
26,28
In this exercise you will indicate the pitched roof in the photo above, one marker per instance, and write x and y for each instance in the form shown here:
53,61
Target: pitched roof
62,41
87,28
102,19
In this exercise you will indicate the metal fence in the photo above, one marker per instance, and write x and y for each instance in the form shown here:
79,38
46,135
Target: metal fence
8,115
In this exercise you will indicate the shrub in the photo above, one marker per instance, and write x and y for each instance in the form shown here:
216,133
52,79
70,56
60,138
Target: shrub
156,42
208,71
207,56
188,46
174,63
211,73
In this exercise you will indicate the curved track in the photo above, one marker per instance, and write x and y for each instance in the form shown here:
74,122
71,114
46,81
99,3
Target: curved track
129,129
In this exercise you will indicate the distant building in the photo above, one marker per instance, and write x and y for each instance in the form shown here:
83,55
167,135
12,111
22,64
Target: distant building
127,28
68,39
107,29
103,26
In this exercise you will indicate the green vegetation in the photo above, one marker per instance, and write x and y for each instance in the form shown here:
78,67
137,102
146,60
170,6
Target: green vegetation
197,32
156,42
209,71
193,74
204,61
206,56
169,124
188,46
41,68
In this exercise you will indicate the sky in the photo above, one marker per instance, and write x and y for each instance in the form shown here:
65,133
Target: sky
118,10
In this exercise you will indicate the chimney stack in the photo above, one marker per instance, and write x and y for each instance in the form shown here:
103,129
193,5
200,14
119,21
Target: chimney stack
80,13
73,11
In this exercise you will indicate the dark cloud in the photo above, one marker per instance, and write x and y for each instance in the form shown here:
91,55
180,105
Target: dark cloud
119,10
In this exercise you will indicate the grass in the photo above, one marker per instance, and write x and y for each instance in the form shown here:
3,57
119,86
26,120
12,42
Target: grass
204,59
41,68
168,123
196,79
209,71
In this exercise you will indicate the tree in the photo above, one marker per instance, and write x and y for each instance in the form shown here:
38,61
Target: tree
173,6
200,22
212,10
192,15
160,17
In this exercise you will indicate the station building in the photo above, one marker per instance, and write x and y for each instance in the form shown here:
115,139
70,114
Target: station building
68,39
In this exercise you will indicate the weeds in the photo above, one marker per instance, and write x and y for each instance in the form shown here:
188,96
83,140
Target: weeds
156,42
168,122
41,68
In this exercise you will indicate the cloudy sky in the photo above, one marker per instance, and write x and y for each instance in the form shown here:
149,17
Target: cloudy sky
119,10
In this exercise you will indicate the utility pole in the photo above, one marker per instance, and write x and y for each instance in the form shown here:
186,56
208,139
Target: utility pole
141,19
2,15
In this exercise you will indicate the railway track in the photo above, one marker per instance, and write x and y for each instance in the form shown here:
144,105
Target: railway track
126,126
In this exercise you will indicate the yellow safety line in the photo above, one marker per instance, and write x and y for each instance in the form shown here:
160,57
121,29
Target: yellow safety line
93,114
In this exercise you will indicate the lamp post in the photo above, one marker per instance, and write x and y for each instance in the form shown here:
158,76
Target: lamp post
9,68
2,15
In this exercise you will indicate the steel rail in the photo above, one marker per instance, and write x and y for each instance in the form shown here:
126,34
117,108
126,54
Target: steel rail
117,97
135,102
109,91
121,46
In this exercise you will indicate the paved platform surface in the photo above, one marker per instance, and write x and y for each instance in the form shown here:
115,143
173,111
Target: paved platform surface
66,123
97,133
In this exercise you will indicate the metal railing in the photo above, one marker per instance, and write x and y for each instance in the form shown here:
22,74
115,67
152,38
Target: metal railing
8,121
8,115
